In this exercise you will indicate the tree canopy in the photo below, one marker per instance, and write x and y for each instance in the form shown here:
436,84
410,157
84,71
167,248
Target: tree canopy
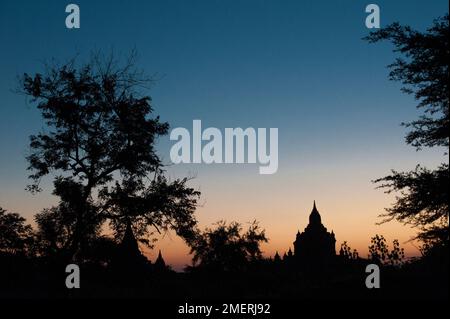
422,68
99,143
227,248
16,237
422,194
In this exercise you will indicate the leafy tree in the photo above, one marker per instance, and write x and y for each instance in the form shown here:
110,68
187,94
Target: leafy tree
156,206
56,225
423,70
423,202
54,230
346,251
397,254
16,237
379,251
100,132
227,248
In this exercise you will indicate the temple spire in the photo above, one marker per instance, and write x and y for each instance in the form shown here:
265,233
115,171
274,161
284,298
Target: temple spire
129,242
159,262
314,217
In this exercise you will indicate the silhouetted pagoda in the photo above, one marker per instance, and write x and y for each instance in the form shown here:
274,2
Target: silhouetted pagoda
160,264
315,245
130,255
129,245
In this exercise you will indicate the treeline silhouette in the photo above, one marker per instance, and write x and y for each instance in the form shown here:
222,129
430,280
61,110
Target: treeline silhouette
99,146
227,262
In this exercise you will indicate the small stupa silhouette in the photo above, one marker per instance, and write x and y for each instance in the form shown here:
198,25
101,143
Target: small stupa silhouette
160,264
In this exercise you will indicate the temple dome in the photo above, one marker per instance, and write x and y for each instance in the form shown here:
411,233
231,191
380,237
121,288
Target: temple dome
315,245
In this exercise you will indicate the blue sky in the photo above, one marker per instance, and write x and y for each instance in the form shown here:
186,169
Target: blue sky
300,66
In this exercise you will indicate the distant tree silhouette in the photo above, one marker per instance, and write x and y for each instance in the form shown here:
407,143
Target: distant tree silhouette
379,251
423,199
227,248
347,252
16,237
397,254
100,131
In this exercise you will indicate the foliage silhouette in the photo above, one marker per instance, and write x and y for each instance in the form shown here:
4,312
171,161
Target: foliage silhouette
55,229
227,248
423,70
379,251
347,253
16,237
100,134
161,205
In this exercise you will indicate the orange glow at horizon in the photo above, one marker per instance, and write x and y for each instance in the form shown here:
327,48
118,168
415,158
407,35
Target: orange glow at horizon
176,253
351,219
280,203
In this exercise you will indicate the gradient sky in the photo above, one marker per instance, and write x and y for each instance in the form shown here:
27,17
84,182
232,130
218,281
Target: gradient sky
300,66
